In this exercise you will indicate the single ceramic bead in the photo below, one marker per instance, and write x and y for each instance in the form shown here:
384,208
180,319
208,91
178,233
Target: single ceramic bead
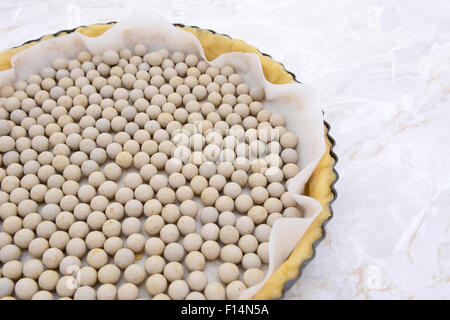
111,57
112,245
12,270
97,258
287,200
128,291
218,182
248,243
178,290
197,280
52,258
198,184
186,225
5,239
188,208
263,252
243,203
253,276
87,276
37,247
195,261
245,225
209,196
76,247
173,252
215,291
195,296
9,252
227,218
106,292
169,233
33,268
85,293
124,257
192,242
154,265
288,140
42,295
136,242
210,231
59,240
48,280
66,286
292,212
251,260
231,253
224,203
273,217
228,272
173,271
258,214
210,249
234,289
275,189
156,284
135,274
25,288
232,189
229,234
154,246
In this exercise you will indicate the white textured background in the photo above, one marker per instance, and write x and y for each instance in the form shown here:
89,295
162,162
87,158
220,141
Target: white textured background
383,71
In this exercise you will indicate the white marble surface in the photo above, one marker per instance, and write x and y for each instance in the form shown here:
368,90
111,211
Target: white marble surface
383,71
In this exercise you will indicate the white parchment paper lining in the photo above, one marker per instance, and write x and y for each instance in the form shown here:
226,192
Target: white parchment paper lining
297,102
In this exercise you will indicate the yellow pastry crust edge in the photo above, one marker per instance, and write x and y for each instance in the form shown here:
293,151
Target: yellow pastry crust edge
318,186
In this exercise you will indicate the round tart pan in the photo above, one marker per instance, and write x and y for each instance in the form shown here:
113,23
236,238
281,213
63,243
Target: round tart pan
320,186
